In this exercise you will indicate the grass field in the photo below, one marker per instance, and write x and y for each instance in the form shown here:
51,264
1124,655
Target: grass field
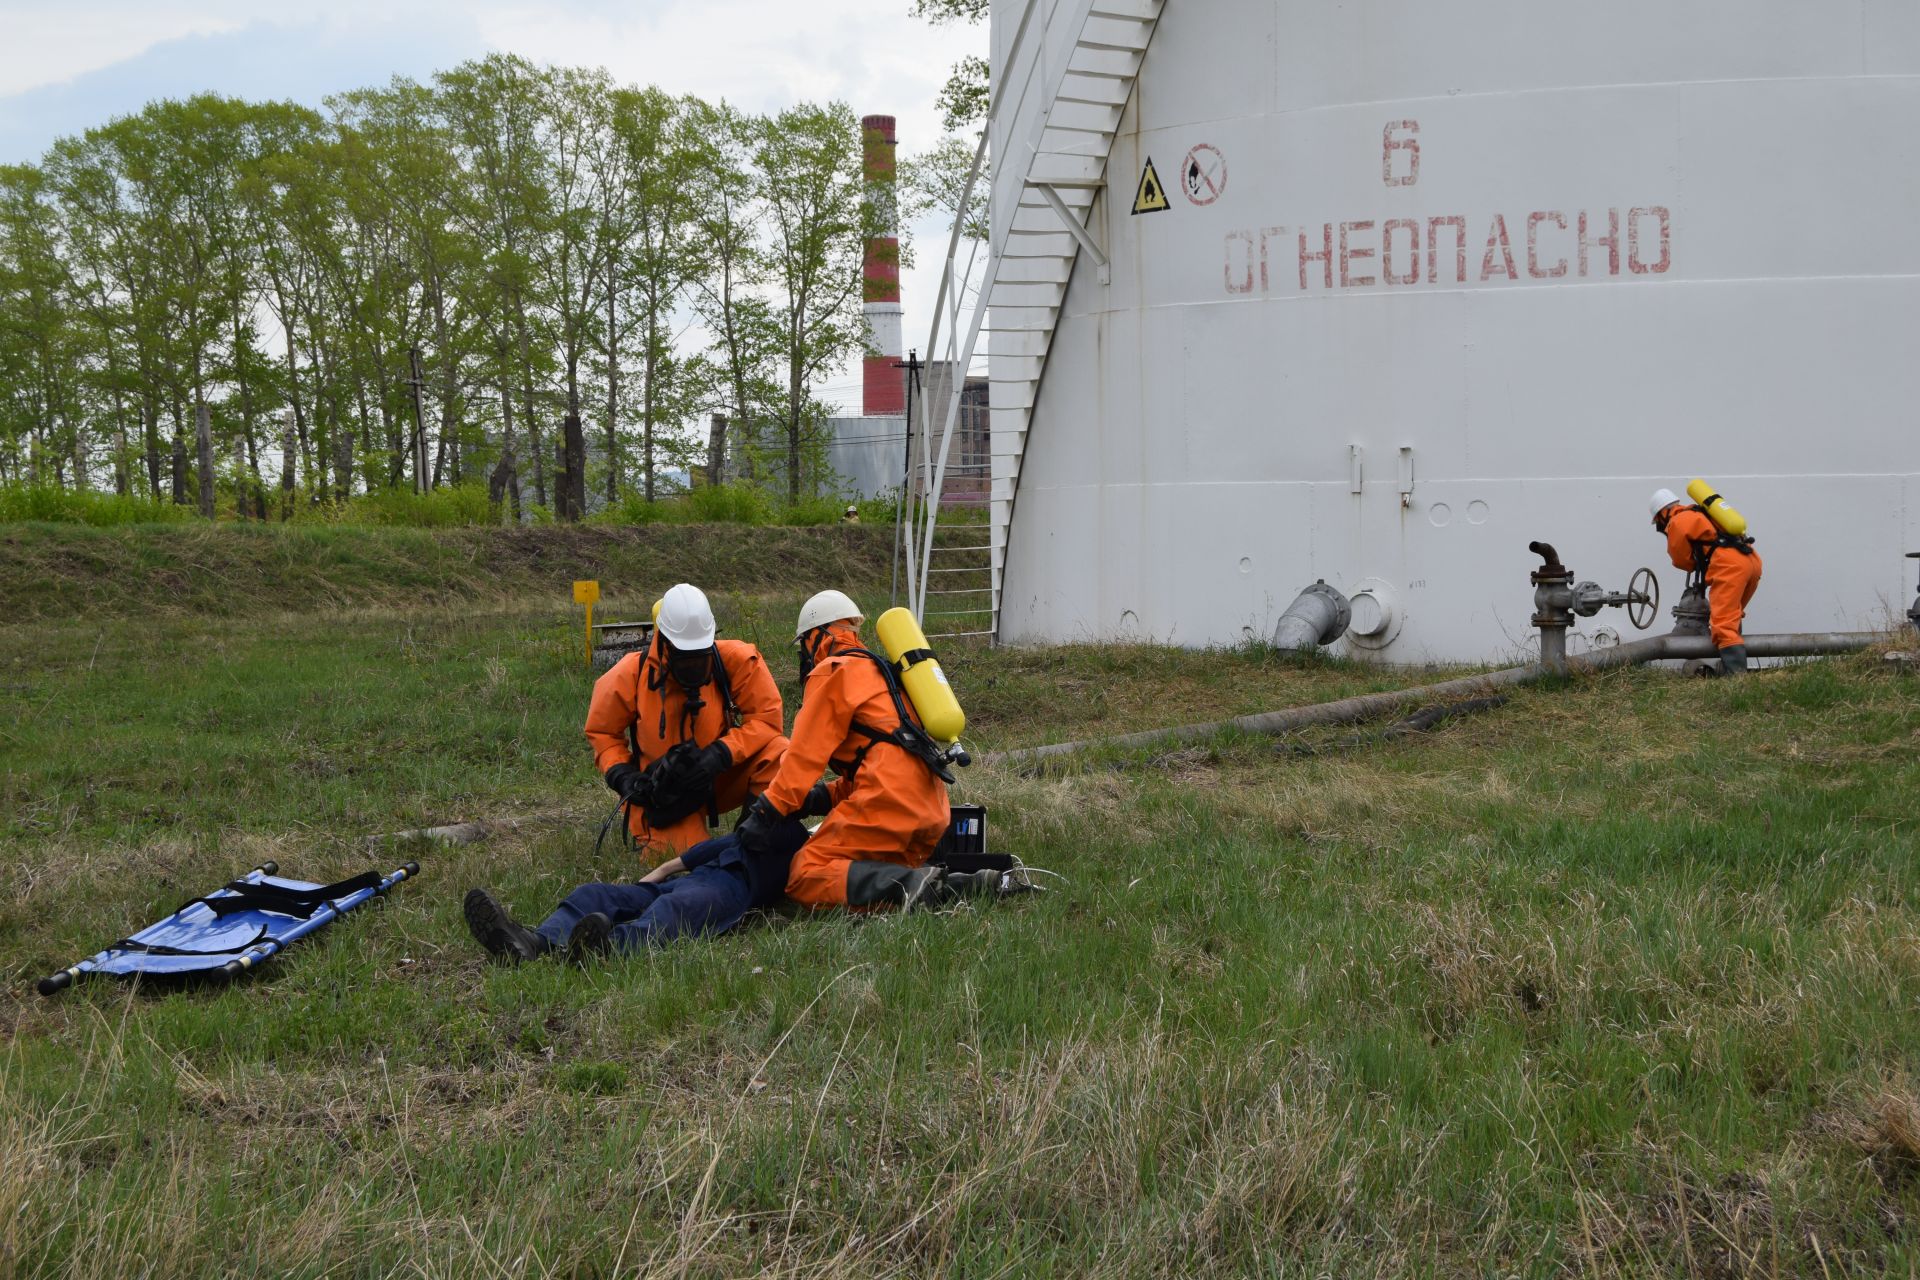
1619,978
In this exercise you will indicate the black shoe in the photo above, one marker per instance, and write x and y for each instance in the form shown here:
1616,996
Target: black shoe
504,937
590,938
1733,660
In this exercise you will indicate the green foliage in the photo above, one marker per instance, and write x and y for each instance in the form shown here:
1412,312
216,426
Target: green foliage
83,506
964,97
500,251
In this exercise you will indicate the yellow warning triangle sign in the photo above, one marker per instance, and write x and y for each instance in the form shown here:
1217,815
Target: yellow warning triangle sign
1151,197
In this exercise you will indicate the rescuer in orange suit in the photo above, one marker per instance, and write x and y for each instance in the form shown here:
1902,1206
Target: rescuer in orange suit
687,729
1729,565
885,812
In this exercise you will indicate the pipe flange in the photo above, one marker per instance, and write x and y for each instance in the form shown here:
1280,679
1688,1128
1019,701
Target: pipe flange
1377,615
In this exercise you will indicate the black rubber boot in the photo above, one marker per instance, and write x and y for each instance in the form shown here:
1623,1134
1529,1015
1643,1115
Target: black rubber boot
1733,660
590,938
984,883
493,928
875,884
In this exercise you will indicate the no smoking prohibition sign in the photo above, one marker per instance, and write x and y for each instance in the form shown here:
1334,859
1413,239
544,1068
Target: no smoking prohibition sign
1204,174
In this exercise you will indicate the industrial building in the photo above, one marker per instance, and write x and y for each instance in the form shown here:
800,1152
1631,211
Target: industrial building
1379,292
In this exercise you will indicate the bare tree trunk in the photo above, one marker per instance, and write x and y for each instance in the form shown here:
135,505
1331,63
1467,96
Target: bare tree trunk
574,447
647,412
150,441
613,394
203,443
286,464
299,424
717,450
418,443
122,463
179,455
530,416
246,408
504,483
79,451
793,438
446,457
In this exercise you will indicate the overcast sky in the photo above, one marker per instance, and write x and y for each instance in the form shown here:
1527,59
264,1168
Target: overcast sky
66,65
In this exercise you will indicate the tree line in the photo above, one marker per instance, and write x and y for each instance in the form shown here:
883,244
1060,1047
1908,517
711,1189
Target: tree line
531,277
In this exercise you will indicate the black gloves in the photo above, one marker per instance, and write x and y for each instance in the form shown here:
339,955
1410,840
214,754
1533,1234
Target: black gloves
759,821
705,768
629,783
818,804
677,784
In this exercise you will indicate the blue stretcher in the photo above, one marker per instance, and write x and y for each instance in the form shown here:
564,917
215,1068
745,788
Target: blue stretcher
234,928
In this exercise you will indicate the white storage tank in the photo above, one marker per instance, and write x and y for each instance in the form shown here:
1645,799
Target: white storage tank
1434,278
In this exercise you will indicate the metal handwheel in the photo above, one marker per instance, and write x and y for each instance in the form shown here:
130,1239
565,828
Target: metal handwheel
1643,599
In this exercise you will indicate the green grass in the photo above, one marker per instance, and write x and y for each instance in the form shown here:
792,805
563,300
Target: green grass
58,571
1619,978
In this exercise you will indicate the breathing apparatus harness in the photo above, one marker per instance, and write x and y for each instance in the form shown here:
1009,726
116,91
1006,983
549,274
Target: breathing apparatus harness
909,736
655,671
1703,550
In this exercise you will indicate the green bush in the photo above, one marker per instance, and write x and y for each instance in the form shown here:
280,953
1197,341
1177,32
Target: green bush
457,506
730,504
84,506
721,504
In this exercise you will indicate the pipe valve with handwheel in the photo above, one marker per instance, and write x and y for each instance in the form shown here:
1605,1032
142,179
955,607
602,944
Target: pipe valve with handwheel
1913,614
1641,599
1557,598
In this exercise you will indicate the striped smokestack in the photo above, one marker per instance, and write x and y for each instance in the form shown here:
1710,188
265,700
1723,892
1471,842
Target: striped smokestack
883,386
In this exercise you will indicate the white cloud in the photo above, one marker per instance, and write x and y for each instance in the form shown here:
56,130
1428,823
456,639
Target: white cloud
52,43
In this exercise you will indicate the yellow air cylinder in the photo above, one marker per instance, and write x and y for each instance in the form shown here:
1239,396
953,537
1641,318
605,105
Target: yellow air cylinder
920,675
1730,521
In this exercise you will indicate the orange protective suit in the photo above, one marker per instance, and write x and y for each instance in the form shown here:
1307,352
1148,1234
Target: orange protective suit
1731,576
639,710
888,807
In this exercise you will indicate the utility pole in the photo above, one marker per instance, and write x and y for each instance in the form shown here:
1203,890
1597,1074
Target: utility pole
912,366
420,476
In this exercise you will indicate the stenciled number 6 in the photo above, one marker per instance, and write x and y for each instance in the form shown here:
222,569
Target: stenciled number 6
1409,144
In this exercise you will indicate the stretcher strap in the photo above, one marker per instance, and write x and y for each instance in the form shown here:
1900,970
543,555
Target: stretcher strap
244,895
160,949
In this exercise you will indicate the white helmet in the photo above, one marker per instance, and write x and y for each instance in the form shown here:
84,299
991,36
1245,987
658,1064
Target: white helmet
685,618
1662,499
827,606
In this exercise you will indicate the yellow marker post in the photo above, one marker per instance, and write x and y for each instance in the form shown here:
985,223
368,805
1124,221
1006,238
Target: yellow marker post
586,591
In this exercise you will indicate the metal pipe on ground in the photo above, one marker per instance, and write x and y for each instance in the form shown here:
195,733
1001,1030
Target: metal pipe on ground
1366,706
472,832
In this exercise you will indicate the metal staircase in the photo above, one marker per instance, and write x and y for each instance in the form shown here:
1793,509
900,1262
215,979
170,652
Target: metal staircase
1063,102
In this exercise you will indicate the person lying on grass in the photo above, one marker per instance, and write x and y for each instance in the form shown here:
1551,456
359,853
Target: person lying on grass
705,891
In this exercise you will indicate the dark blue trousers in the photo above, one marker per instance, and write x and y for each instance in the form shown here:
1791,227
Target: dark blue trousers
707,900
